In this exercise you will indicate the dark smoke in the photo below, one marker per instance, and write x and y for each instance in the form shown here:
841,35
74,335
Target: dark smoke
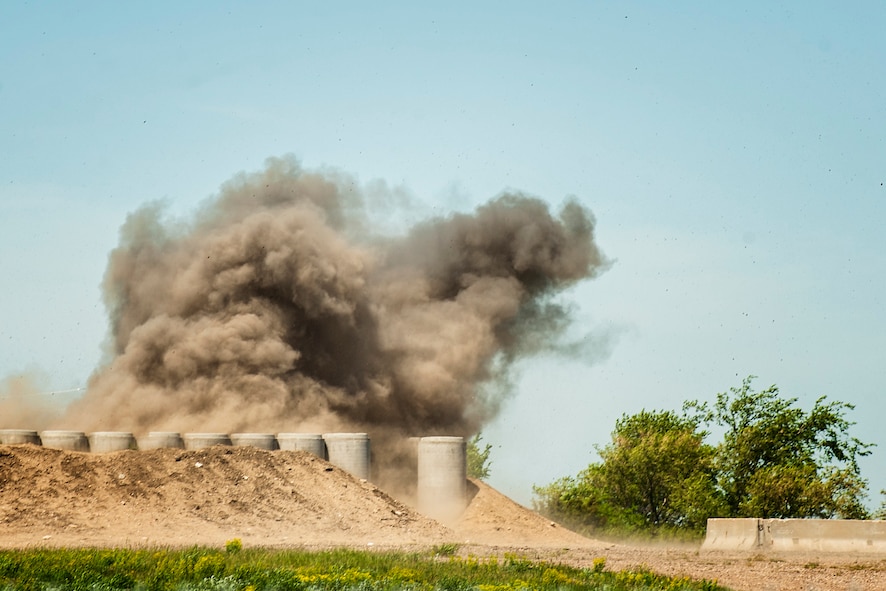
276,309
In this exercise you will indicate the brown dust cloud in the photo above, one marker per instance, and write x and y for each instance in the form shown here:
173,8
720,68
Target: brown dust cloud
275,307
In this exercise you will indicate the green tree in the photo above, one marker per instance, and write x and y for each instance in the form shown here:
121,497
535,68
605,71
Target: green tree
777,460
656,474
880,513
477,459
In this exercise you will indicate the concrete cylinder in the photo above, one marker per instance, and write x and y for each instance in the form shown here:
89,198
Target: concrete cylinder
350,452
310,442
18,436
67,440
411,454
107,441
260,440
161,440
442,477
201,440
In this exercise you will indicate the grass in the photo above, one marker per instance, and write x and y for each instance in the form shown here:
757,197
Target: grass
242,569
448,549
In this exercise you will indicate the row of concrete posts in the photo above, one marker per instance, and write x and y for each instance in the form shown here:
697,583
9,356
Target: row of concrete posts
441,461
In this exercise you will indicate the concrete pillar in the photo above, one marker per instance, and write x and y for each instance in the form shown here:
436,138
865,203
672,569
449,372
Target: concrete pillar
310,442
442,477
260,440
108,441
67,440
350,452
161,440
18,436
202,440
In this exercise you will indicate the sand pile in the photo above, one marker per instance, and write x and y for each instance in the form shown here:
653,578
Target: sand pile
177,497
494,519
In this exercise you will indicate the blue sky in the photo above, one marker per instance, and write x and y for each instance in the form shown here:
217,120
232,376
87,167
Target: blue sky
733,154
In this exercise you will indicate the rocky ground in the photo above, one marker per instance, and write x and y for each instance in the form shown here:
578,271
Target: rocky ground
292,499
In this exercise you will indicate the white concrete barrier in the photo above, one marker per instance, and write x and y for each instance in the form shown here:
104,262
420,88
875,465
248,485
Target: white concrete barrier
826,535
791,535
734,534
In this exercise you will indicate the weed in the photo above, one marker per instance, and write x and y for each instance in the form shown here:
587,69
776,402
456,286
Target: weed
447,549
233,546
599,565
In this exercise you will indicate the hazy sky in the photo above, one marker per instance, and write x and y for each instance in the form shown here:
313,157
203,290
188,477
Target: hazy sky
732,153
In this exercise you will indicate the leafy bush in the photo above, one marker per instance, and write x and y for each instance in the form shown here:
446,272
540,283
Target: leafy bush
478,464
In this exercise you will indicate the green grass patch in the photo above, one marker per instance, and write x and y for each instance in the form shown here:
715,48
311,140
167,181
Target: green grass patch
208,569
448,549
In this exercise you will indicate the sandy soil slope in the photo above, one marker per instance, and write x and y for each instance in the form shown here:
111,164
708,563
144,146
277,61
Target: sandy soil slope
292,499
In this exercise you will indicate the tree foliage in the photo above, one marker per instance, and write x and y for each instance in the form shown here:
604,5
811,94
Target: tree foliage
478,464
652,475
778,461
774,460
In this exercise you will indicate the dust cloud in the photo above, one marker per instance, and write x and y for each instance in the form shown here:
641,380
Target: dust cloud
25,402
276,308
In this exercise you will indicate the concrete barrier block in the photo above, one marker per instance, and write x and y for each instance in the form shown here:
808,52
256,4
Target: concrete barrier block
826,535
733,534
796,535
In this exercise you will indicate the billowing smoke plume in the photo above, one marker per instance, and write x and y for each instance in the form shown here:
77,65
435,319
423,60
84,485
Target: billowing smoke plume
276,309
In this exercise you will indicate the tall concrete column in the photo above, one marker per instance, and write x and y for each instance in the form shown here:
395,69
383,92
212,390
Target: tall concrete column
442,477
310,442
350,452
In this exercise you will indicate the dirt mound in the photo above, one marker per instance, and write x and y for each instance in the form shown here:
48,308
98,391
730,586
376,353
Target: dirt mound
177,497
492,518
